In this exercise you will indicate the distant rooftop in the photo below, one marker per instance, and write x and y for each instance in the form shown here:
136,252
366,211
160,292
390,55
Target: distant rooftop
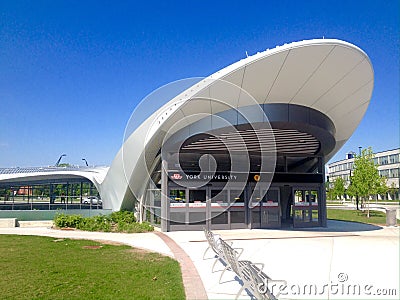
18,170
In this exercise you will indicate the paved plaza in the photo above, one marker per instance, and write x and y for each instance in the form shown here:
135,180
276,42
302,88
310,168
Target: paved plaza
345,260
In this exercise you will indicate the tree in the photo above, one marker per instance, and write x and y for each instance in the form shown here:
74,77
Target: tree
338,187
351,191
382,189
393,190
329,190
365,180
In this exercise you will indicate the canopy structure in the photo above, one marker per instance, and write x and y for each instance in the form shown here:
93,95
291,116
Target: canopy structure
327,80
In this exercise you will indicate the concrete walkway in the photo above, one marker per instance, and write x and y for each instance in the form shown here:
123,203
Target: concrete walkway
344,261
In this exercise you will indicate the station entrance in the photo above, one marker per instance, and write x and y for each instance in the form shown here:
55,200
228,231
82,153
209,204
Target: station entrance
258,175
216,206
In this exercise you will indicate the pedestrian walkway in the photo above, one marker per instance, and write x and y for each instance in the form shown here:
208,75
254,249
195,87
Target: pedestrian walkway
148,241
362,260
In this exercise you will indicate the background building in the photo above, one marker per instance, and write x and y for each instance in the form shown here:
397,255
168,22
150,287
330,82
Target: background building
388,163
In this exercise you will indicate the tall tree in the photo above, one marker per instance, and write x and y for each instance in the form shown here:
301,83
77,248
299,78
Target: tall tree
365,181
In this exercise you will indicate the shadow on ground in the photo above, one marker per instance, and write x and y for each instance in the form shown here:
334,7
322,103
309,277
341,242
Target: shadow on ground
340,226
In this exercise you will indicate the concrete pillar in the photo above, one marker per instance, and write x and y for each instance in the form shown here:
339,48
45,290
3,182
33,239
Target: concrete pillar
322,201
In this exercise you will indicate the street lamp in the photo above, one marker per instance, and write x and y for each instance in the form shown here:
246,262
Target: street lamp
87,165
359,150
58,161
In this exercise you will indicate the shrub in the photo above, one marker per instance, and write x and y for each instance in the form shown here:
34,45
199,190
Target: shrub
135,227
123,216
63,221
122,221
96,223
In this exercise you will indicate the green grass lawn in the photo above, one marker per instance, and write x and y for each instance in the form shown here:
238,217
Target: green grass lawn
47,268
376,217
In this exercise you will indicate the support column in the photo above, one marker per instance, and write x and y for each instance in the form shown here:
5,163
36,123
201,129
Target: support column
164,197
141,208
81,188
322,205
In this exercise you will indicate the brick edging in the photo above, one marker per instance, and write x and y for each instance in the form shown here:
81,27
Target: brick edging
192,282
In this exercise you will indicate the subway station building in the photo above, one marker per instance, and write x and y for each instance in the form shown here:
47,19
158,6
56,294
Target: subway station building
245,147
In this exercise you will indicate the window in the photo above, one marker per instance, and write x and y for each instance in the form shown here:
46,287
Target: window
394,158
375,159
394,173
384,173
236,196
177,195
383,160
197,196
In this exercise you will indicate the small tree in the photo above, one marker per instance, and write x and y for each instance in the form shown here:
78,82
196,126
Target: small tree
365,180
329,190
392,190
382,189
338,187
351,191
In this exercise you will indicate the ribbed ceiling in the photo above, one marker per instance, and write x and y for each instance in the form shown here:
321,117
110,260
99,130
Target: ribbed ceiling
288,141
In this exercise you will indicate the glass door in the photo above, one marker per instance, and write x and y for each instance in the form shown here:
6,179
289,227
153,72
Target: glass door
265,208
177,198
254,207
305,208
270,209
237,208
197,208
220,214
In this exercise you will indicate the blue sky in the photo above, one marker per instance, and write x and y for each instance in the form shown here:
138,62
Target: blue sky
71,72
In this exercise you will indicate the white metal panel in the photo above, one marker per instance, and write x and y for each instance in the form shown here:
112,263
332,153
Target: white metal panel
350,121
260,75
298,67
225,92
348,85
352,103
339,62
235,77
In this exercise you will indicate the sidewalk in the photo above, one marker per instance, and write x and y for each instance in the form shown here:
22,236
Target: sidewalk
316,263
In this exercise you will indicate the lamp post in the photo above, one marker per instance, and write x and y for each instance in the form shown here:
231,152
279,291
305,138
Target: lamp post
58,161
359,150
87,165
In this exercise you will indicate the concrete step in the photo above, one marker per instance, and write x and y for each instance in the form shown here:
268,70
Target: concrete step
8,222
26,224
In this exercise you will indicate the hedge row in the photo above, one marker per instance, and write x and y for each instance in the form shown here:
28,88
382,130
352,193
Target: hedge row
121,221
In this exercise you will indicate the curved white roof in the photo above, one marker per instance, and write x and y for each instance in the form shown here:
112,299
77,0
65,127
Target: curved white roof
95,174
328,75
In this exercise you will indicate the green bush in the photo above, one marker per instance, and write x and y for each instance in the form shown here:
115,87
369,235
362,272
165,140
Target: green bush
135,227
97,223
64,221
121,221
123,216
